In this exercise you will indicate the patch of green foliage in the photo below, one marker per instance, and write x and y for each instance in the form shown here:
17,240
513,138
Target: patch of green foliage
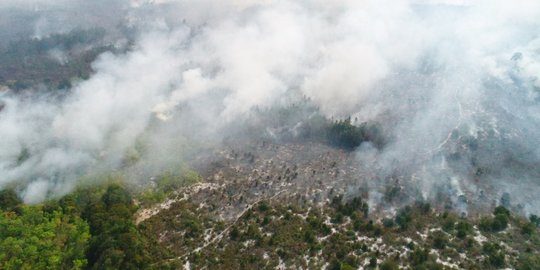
389,265
167,183
528,261
404,218
342,133
92,228
9,200
115,242
498,223
44,236
495,257
535,220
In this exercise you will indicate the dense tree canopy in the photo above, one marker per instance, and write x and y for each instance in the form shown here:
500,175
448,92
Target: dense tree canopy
41,238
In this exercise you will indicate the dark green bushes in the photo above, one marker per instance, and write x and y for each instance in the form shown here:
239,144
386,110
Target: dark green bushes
497,223
463,229
350,207
528,262
495,257
116,243
404,218
535,220
9,200
343,134
41,237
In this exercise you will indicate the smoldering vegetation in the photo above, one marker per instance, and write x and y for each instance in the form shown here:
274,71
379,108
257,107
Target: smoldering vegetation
439,96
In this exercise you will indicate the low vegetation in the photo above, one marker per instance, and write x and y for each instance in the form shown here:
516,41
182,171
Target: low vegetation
94,228
341,235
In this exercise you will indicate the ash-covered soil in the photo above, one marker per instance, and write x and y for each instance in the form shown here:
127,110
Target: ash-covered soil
293,173
268,205
239,175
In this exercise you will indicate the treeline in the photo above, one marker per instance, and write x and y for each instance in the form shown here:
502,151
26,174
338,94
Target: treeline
342,133
92,228
304,122
63,41
31,61
46,236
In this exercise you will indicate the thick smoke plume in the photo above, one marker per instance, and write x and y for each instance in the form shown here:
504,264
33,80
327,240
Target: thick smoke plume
453,84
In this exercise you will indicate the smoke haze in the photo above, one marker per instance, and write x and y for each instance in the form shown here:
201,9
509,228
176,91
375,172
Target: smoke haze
454,85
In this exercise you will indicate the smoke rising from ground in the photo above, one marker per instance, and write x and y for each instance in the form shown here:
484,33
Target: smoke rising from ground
453,84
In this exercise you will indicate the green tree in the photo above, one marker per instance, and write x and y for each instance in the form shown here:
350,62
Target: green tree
389,265
9,200
37,239
116,243
528,262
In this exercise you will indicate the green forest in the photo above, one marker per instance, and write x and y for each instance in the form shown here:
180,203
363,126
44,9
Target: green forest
89,229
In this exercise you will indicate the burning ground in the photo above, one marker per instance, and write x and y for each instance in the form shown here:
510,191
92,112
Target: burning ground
311,174
299,206
293,205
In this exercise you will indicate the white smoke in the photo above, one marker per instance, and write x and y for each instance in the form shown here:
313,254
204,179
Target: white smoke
424,69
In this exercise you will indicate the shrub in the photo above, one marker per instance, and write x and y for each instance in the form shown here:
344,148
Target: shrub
449,224
495,257
234,233
389,265
535,220
388,223
418,256
9,200
373,262
404,218
528,228
528,262
440,241
496,224
463,228
309,236
351,207
501,210
263,207
500,222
